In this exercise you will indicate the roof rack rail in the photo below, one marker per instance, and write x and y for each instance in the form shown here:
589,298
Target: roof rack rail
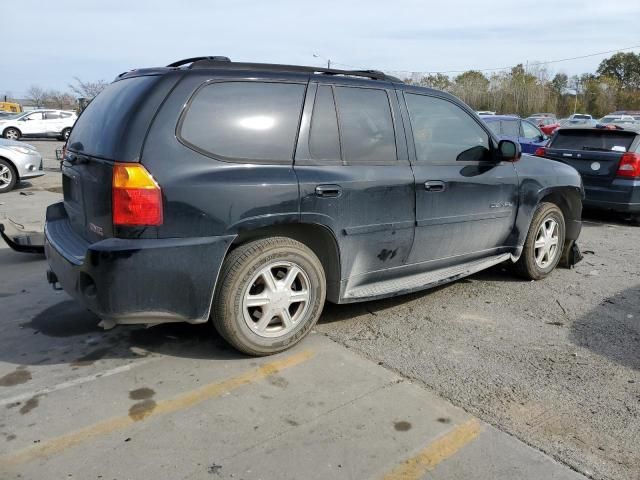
187,61
226,63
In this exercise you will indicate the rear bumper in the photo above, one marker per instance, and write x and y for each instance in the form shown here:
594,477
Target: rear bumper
623,195
135,281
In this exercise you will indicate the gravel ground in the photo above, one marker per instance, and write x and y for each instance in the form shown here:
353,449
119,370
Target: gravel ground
555,362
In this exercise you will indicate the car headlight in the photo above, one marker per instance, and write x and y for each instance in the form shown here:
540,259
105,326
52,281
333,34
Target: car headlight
24,150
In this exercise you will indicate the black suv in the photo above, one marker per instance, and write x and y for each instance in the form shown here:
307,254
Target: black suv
608,158
250,193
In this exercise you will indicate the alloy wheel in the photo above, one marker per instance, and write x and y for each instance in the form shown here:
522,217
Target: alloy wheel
276,300
546,244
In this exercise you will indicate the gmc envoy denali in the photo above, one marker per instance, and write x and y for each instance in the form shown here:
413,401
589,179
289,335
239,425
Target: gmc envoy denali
249,194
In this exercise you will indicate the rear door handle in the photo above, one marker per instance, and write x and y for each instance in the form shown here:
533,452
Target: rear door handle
435,186
330,191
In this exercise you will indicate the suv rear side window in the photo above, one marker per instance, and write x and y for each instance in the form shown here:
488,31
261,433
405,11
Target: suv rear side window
244,120
366,125
510,127
444,132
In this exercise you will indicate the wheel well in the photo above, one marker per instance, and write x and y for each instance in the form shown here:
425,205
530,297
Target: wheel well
568,200
15,128
317,237
12,165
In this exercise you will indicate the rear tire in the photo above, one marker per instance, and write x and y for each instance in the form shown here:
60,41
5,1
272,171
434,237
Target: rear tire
12,134
270,294
64,136
8,176
545,240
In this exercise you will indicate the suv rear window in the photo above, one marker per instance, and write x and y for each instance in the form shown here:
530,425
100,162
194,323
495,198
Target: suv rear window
593,140
100,127
244,120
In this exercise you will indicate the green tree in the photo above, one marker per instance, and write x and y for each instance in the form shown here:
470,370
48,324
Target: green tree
624,67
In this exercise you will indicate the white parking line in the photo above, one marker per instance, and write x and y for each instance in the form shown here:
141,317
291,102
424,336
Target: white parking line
77,381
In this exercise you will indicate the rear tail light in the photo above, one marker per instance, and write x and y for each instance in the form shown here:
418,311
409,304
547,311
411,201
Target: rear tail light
629,165
540,152
136,197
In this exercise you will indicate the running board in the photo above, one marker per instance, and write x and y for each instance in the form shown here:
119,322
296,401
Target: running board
421,281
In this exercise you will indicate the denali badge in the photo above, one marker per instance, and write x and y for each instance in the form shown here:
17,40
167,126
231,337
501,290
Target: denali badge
96,229
501,205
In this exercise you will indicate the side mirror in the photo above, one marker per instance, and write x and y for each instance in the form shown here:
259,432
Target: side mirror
509,151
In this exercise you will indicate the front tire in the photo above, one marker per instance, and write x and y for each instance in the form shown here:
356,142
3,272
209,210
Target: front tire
543,247
8,176
269,295
12,134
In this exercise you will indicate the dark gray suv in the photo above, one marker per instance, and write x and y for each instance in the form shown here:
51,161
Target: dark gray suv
249,194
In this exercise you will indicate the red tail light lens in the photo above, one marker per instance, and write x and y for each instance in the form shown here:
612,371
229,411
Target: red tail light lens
136,197
629,165
540,152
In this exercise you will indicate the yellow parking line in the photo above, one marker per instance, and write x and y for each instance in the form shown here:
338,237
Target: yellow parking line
180,402
433,454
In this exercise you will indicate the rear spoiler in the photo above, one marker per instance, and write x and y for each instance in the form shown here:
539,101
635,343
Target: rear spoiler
21,240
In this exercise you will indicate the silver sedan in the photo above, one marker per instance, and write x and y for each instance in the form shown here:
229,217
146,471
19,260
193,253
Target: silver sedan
18,161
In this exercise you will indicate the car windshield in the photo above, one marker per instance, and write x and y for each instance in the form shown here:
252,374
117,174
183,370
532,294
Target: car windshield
581,117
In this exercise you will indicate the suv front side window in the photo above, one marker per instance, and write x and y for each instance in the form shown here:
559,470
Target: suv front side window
444,133
244,121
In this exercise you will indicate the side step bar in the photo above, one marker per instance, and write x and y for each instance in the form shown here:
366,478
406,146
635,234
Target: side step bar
421,281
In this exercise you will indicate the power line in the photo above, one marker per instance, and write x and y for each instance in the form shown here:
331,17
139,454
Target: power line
508,67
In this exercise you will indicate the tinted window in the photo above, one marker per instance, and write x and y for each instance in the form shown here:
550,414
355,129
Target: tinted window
511,127
245,120
51,115
324,140
529,131
443,132
100,128
593,140
65,115
366,125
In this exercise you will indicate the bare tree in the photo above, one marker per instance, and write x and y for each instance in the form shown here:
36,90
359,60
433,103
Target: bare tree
60,100
36,95
87,90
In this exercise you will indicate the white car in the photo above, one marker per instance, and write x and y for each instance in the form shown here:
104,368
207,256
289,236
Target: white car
39,123
18,161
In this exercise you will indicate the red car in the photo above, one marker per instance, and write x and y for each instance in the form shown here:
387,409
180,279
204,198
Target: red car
548,125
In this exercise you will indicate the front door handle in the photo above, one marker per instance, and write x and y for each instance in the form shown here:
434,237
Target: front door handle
434,186
330,191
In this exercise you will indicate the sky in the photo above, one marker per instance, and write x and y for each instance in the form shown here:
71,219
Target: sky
47,43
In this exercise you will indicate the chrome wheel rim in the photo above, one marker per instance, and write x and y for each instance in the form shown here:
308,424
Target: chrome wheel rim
276,299
546,244
66,134
5,176
12,134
